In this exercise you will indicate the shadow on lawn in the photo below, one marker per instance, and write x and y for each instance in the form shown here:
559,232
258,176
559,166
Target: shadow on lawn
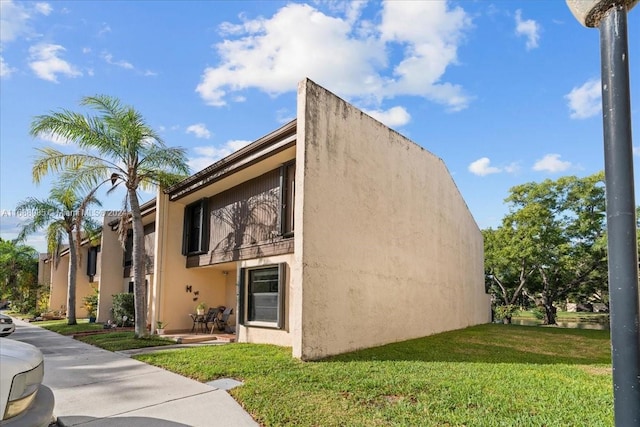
495,343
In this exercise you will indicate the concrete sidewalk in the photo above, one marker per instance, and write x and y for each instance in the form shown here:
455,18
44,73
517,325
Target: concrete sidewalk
95,387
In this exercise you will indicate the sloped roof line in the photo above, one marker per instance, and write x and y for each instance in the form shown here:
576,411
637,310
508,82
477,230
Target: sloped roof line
278,139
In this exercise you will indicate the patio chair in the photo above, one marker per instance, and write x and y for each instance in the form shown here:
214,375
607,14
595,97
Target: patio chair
198,323
222,319
211,317
201,321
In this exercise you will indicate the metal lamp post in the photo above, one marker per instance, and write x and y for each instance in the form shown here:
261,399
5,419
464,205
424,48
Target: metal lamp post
610,16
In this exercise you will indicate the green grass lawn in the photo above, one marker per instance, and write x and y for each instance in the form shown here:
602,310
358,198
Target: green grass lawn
113,340
569,316
61,327
488,375
116,341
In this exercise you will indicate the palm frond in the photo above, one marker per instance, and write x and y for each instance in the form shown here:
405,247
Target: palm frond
86,179
64,123
54,235
172,159
92,230
163,166
147,184
51,160
39,214
107,105
114,187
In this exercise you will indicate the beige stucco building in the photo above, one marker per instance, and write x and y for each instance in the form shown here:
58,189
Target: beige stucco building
103,264
329,234
55,275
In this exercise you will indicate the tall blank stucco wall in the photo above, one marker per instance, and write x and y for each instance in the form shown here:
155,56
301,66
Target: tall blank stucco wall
388,249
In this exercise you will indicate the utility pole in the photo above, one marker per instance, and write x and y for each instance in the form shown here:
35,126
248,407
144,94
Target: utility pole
610,16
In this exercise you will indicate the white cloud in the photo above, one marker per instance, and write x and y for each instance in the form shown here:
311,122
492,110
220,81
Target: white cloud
585,101
512,167
108,58
121,63
237,144
344,52
43,8
199,130
55,139
206,156
393,117
350,9
46,63
104,29
431,33
5,69
636,150
551,163
14,21
482,167
528,28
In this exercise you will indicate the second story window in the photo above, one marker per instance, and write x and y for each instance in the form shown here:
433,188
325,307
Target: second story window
195,232
92,262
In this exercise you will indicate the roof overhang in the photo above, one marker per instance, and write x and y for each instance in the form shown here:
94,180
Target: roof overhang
268,145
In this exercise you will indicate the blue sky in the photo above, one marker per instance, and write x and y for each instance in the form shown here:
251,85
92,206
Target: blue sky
504,92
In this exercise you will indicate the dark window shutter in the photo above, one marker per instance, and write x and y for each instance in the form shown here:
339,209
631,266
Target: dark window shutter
186,226
282,276
204,225
92,261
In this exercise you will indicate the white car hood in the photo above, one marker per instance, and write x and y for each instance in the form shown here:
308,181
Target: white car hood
24,355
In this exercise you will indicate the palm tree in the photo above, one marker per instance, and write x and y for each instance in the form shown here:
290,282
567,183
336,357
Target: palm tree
120,148
63,214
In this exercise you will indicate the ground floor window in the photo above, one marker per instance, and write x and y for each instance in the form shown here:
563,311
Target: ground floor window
262,294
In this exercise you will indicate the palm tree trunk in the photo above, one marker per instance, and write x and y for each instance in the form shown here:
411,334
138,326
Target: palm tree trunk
139,270
71,284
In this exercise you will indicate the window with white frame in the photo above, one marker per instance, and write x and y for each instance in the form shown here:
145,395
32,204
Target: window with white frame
262,296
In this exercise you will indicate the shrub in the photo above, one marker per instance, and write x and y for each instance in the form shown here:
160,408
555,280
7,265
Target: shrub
506,311
42,305
538,312
91,302
123,305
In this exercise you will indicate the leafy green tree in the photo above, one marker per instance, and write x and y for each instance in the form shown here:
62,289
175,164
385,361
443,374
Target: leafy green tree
63,216
557,230
118,147
509,265
18,274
